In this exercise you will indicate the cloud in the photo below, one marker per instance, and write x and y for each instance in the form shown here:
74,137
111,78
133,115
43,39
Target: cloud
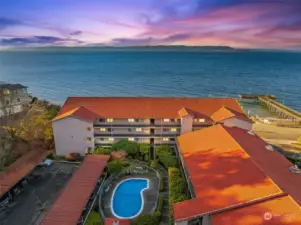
37,41
150,40
4,22
75,33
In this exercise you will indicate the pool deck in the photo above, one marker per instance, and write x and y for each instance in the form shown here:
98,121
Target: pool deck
150,195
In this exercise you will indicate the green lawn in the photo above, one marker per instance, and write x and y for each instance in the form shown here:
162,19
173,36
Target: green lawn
94,219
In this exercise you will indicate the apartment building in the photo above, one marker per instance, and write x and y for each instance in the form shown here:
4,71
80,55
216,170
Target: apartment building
13,98
85,122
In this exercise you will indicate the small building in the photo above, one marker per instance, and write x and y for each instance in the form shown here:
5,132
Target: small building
13,98
86,122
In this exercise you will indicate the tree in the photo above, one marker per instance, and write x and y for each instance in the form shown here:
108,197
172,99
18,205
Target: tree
164,150
48,137
144,149
114,166
102,151
128,146
146,219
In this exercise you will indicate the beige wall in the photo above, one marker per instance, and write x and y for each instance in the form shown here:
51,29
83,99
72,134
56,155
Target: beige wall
186,124
184,222
70,134
234,122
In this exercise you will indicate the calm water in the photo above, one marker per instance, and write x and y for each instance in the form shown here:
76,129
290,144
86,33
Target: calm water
127,200
58,73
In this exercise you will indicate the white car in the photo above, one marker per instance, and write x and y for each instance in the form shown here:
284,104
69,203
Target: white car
47,162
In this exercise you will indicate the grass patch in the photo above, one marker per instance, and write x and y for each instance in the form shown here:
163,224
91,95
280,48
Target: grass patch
94,219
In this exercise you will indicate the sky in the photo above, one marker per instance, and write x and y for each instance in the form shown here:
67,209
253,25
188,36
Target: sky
269,24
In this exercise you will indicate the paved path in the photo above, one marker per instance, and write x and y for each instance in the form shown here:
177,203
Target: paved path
165,193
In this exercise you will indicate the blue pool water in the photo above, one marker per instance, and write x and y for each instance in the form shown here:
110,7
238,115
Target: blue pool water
127,200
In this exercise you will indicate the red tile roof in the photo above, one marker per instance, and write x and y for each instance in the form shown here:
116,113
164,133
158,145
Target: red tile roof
282,210
147,107
79,112
110,221
274,165
226,113
222,174
19,169
69,206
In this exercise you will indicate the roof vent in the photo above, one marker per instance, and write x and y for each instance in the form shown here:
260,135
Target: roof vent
269,147
251,133
295,169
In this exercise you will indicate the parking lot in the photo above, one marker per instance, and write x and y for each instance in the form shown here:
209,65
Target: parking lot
44,185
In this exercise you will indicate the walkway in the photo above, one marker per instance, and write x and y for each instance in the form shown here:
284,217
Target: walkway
165,218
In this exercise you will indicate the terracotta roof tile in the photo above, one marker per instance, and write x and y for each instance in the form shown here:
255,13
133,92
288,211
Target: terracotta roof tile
222,174
274,165
147,107
110,221
79,112
19,169
69,206
226,113
278,211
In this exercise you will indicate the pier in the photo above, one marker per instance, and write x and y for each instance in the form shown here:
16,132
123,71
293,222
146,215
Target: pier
271,104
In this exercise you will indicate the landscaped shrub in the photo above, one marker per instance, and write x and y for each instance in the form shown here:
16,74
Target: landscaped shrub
146,158
168,161
164,150
94,218
115,166
176,189
158,212
130,147
102,151
161,182
154,164
144,149
146,219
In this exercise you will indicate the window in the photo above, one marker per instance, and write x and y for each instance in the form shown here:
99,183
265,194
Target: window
88,128
88,150
166,120
111,139
136,120
165,130
173,129
110,120
101,139
201,120
131,120
165,139
88,139
130,129
172,139
101,120
138,129
102,129
110,129
172,120
131,139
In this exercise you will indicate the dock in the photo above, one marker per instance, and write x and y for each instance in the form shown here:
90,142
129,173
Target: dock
269,102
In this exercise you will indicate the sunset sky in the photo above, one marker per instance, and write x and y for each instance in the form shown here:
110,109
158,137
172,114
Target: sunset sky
237,23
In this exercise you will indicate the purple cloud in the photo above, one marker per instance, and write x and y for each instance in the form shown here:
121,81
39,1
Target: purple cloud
37,41
4,22
75,33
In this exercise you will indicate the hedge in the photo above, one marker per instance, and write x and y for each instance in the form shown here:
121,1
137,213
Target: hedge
146,219
168,161
159,210
154,164
176,189
161,182
94,218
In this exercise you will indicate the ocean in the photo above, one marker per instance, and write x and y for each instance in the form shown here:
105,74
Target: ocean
56,73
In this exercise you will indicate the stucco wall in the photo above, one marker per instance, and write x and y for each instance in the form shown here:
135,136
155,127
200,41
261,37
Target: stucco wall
70,135
184,222
186,124
234,122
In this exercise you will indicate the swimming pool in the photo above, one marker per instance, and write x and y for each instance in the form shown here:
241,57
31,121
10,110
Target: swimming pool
127,199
